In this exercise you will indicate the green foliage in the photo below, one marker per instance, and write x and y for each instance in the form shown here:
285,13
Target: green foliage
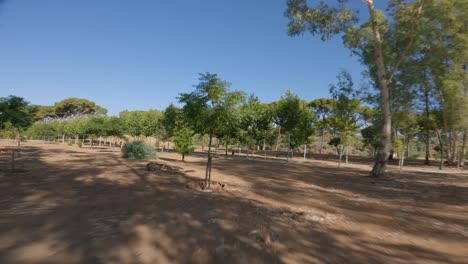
256,120
168,121
294,118
45,111
183,140
16,111
398,145
210,107
8,131
141,123
138,150
336,141
45,130
73,107
371,137
347,109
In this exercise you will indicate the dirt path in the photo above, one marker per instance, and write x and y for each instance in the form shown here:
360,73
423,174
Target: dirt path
71,205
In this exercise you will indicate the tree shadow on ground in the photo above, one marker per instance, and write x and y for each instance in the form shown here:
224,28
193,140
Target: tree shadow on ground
90,207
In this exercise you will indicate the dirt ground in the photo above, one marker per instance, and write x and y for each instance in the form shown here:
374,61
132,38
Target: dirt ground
70,205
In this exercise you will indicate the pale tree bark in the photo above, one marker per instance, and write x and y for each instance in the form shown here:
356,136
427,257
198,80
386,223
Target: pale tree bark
428,134
385,142
384,79
208,164
305,151
455,146
346,154
448,138
441,143
278,138
463,149
322,141
340,150
18,137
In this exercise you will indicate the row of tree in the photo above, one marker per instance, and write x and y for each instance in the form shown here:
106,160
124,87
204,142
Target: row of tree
234,119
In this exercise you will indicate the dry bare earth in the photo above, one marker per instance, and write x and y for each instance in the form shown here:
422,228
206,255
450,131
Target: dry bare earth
71,205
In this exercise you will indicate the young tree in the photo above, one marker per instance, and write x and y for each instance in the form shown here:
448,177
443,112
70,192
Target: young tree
17,112
183,139
399,148
374,42
323,108
113,127
294,118
168,122
94,128
256,121
151,123
346,114
133,122
207,108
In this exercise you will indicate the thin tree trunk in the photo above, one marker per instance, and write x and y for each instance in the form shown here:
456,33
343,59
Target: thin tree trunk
428,135
225,154
463,149
18,137
341,155
400,161
455,146
305,151
407,149
278,138
385,142
346,153
322,141
183,157
439,136
208,164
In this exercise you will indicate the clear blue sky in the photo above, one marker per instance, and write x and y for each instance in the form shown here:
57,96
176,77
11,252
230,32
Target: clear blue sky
140,54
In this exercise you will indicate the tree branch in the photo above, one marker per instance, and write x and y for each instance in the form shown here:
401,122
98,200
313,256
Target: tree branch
410,43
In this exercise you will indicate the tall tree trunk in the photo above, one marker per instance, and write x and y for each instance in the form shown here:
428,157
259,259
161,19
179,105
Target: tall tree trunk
455,145
448,137
407,153
225,153
463,149
208,164
18,137
385,142
183,156
278,138
322,141
341,148
428,135
346,154
441,143
305,151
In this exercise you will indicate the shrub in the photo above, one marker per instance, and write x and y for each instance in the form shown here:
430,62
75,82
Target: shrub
79,144
138,150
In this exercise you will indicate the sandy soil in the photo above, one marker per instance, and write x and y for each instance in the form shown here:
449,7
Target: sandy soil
70,205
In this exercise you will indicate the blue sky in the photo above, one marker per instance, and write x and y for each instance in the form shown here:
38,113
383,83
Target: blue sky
140,54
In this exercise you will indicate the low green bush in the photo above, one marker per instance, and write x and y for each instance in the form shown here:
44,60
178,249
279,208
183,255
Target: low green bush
79,144
138,150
